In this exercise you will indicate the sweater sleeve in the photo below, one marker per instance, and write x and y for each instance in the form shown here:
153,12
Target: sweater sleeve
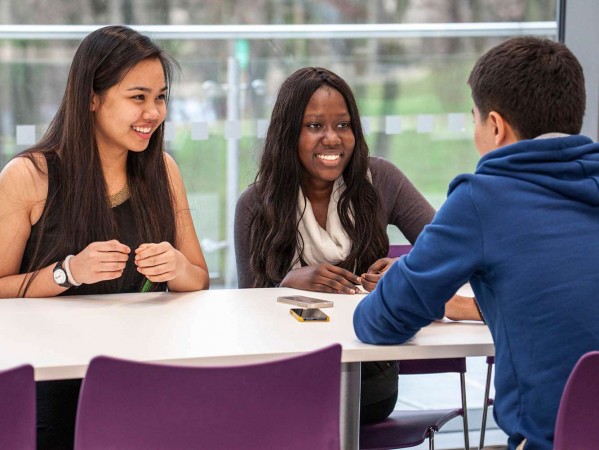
243,210
414,290
406,207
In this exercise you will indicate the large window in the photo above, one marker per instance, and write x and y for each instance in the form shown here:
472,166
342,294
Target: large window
407,62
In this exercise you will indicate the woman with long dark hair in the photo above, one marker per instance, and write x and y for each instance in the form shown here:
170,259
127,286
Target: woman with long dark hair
97,206
99,187
317,214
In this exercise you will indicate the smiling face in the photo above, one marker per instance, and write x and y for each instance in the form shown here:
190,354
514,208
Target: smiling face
129,112
326,141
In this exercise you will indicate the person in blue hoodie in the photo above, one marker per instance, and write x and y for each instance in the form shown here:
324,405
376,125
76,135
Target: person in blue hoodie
522,230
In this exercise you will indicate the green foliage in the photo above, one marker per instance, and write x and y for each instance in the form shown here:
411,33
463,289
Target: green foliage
431,163
430,160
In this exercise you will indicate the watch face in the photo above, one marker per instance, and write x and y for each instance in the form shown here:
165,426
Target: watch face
60,276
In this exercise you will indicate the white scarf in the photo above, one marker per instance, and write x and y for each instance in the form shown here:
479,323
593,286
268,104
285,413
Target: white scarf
331,245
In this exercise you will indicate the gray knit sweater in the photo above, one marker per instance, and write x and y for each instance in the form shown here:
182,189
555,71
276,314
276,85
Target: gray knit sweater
404,206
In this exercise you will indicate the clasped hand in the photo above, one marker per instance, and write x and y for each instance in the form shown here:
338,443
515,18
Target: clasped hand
326,277
106,260
322,277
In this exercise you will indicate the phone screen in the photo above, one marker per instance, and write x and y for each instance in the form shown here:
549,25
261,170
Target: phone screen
309,315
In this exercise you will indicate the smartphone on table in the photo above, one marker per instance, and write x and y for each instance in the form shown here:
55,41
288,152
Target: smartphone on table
305,302
309,315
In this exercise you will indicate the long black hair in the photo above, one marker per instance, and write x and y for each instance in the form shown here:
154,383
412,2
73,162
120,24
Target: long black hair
274,223
80,205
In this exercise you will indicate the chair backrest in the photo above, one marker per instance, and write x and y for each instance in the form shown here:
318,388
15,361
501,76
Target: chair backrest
17,408
576,425
291,403
397,250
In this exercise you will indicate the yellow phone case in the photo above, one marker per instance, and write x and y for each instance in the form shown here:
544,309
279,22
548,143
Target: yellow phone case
310,312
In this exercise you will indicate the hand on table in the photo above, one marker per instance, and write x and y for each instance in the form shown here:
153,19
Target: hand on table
462,308
375,272
322,278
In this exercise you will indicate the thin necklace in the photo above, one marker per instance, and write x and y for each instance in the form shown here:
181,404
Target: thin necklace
120,197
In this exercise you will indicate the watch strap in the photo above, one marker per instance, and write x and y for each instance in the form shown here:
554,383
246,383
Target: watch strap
59,267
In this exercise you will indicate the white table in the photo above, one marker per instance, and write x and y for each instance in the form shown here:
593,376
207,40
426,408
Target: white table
59,336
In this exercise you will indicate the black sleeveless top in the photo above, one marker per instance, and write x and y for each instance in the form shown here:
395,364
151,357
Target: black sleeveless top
127,233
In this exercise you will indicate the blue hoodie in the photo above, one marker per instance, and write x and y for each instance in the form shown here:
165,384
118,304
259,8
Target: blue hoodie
523,230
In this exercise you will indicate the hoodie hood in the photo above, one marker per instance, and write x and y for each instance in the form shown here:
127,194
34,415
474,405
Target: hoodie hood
567,165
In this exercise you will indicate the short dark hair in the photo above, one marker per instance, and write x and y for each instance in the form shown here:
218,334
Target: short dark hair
536,84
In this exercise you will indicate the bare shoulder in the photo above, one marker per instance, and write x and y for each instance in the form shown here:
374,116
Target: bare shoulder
173,171
176,182
25,181
171,164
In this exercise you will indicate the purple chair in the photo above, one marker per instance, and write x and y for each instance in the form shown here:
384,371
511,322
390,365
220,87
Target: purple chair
576,425
410,428
487,401
17,409
397,250
291,403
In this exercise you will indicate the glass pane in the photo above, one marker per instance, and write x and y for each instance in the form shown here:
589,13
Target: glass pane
411,89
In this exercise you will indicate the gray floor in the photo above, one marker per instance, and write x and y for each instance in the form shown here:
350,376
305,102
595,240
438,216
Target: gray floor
443,391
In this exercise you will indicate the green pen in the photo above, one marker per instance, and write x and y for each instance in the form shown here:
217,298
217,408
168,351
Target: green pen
147,286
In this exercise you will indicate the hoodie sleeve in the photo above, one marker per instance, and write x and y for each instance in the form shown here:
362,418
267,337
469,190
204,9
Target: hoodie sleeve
413,292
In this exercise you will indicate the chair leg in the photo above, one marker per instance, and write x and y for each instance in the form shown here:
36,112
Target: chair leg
431,438
483,425
465,410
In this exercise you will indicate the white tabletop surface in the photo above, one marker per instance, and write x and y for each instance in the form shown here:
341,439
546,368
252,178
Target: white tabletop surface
59,336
